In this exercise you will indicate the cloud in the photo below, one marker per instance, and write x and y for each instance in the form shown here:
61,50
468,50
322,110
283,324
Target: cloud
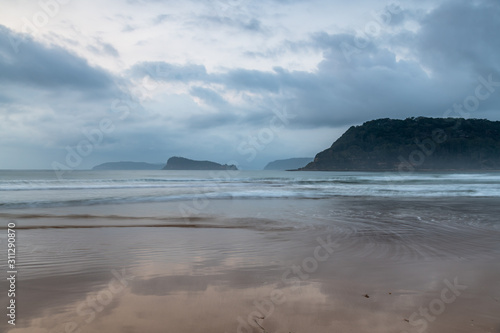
461,35
250,80
49,98
109,50
163,71
48,67
208,96
250,25
375,82
159,19
102,48
128,28
227,70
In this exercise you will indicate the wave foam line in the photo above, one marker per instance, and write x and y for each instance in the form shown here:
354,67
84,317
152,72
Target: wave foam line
172,225
106,217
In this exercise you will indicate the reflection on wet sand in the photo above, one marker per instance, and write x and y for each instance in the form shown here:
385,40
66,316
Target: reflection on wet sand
385,272
222,303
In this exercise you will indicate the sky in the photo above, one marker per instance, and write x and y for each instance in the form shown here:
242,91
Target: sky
231,81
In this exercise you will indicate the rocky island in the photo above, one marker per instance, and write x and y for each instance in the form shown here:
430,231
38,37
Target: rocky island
289,163
181,163
128,166
414,144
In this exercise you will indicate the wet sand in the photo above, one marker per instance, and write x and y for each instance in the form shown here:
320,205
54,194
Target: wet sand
332,265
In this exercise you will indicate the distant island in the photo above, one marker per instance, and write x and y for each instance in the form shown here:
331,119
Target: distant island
414,144
181,163
128,166
288,164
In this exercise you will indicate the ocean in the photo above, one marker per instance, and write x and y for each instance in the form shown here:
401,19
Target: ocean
248,251
31,189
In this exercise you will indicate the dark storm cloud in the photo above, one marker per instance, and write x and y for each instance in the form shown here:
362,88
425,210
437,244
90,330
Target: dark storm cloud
461,35
47,67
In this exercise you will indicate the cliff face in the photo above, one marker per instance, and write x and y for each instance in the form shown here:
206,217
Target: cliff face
414,144
181,163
